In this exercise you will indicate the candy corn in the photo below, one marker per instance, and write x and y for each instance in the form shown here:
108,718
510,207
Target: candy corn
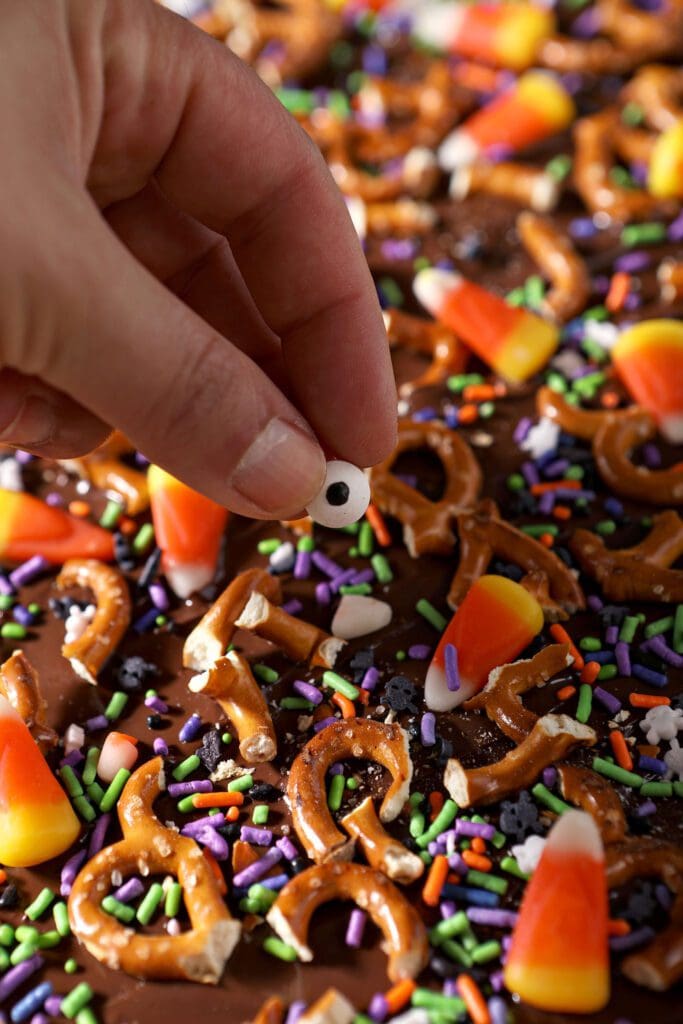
649,359
29,527
514,342
188,529
496,620
118,751
559,958
665,173
505,34
37,821
534,108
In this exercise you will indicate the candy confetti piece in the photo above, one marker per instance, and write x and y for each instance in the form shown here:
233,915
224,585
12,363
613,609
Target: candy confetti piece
30,527
494,623
649,360
188,529
36,819
559,960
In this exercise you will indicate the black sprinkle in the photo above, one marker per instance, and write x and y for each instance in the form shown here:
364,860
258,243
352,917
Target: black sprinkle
519,817
362,660
612,614
264,791
509,569
400,694
638,826
230,831
135,672
59,606
299,865
156,722
642,903
445,749
122,553
444,968
149,569
210,752
9,897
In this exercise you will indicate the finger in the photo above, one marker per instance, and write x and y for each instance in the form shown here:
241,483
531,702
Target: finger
185,396
40,419
225,151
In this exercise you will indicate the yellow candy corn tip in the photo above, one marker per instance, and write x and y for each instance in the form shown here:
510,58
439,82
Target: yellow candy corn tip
547,95
159,480
33,835
523,30
648,334
665,175
525,605
560,989
9,509
527,348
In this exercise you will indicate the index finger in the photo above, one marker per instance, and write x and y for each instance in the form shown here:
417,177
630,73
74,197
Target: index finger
222,148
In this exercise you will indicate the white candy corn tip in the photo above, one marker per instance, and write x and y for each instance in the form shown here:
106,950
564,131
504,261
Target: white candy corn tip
672,428
437,695
575,832
188,579
438,25
343,498
432,285
457,150
357,615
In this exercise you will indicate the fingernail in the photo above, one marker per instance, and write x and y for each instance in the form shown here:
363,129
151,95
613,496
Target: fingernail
30,421
282,469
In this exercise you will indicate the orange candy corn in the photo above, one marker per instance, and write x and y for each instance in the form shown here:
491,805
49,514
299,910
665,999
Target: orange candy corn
505,34
559,957
514,342
30,527
534,108
649,359
37,821
497,619
188,530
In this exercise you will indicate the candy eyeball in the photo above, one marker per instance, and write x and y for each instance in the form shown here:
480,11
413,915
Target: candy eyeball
344,496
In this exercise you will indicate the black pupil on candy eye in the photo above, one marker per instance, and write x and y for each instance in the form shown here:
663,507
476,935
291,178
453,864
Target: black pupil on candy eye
337,494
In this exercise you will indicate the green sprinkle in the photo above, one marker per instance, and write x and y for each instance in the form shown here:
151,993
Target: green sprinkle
451,926
556,382
265,673
450,1005
366,539
657,789
544,796
400,656
277,948
539,529
296,101
659,626
515,482
617,774
143,538
486,951
510,865
70,780
678,788
416,799
186,767
61,918
305,544
575,473
381,568
90,767
559,167
6,602
417,824
486,881
355,588
6,935
86,1016
173,900
353,553
454,951
113,511
643,234
606,527
516,297
632,114
260,814
443,819
70,966
608,672
429,612
486,410
351,783
336,682
458,382
678,630
585,703
121,911
421,263
77,999
160,620
95,792
621,176
499,840
84,808
13,631
250,906
426,857
599,313
114,790
226,738
4,959
361,1018
241,784
352,529
48,940
40,905
590,643
628,628
390,290
27,933
116,705
336,792
260,892
534,290
22,952
268,546
149,905
296,704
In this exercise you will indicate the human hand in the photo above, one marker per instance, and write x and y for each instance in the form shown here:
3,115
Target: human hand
176,261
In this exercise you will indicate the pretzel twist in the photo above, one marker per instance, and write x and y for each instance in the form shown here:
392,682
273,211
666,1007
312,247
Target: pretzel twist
382,851
148,848
101,637
405,936
430,338
658,90
559,262
427,524
20,685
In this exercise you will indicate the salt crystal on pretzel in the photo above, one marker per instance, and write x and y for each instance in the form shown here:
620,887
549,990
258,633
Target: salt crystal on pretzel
649,359
30,527
149,848
382,851
231,683
551,739
384,744
212,634
405,936
448,355
557,259
522,183
89,652
20,685
300,640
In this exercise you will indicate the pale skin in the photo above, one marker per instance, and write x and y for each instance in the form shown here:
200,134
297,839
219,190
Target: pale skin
175,261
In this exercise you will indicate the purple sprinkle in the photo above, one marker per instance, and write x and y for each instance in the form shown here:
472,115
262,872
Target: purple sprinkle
632,262
675,231
645,809
475,828
557,467
276,882
257,836
22,457
69,872
336,769
356,927
180,789
595,603
582,227
447,909
325,564
256,871
611,635
399,248
623,658
546,503
530,473
302,565
407,478
649,676
98,834
428,729
146,621
28,571
160,747
614,507
664,896
428,412
632,301
323,723
308,691
296,1011
22,615
72,759
522,429
651,456
652,764
214,841
451,667
497,1010
287,848
96,723
608,700
494,918
497,981
323,594
16,976
457,864
193,828
129,891
419,652
158,596
53,1006
293,607
5,585
450,987
156,704
622,943
378,1010
364,576
54,500
339,581
567,494
190,729
450,414
587,24
370,679
41,1018
659,647
31,1002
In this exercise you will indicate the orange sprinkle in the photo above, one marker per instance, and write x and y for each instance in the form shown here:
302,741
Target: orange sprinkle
590,672
476,76
621,751
619,287
547,540
468,414
127,526
562,512
79,508
566,692
222,799
560,634
3,876
436,879
344,704
399,995
609,399
479,393
470,993
645,700
379,527
215,870
363,696
476,861
436,801
618,926
556,485
478,845
232,814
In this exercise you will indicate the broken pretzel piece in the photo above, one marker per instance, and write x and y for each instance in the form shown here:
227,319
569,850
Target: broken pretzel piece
557,259
551,739
522,183
298,639
382,851
100,638
596,795
405,936
106,470
429,338
331,1008
501,697
20,685
231,683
